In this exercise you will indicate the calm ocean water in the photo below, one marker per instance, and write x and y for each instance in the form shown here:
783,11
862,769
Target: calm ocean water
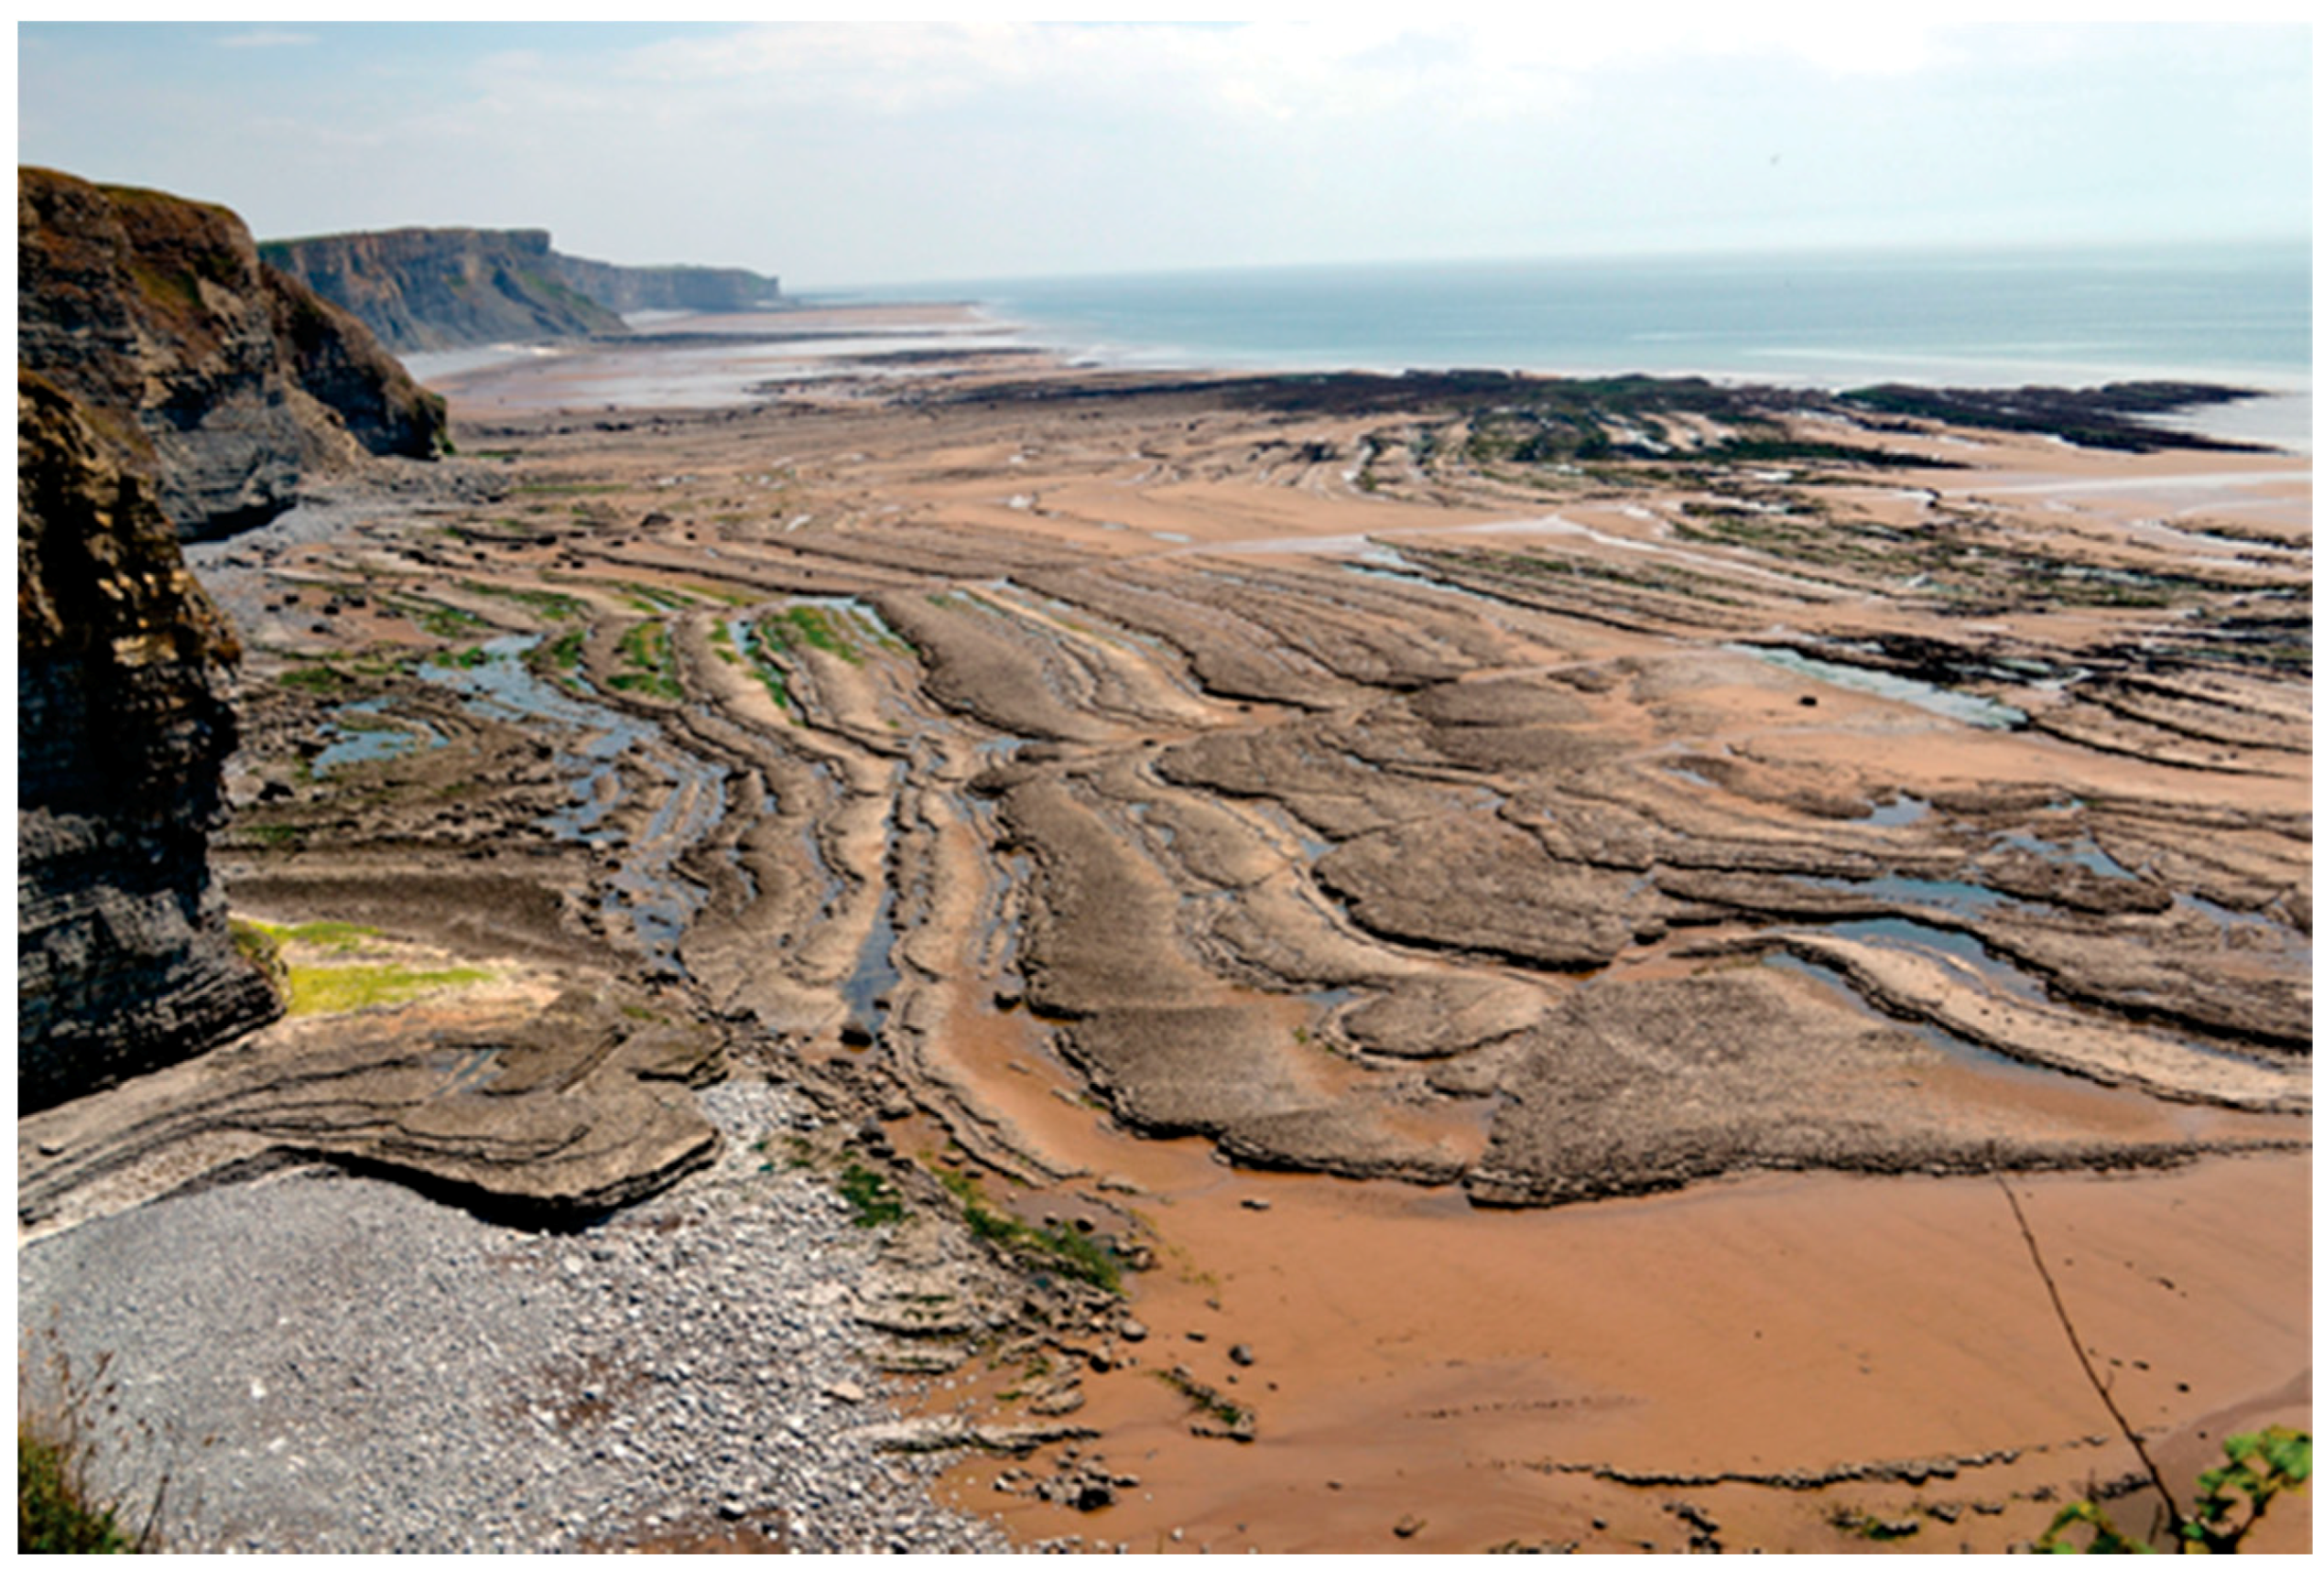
1966,319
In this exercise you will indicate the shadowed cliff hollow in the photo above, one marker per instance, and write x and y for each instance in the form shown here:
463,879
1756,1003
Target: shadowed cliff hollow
124,961
439,288
225,379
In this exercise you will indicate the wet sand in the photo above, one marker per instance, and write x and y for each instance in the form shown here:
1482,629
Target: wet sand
698,361
1478,1371
1487,1371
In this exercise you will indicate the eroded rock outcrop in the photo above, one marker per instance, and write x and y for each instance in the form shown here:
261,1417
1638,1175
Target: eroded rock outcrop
1470,852
228,381
124,960
439,288
522,1097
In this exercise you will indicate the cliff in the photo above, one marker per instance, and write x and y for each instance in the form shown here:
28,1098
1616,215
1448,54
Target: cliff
668,289
440,289
124,961
222,379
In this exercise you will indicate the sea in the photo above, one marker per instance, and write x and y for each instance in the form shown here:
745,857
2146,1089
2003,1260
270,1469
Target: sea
2238,315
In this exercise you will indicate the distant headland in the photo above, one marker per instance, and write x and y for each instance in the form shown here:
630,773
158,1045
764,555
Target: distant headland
445,289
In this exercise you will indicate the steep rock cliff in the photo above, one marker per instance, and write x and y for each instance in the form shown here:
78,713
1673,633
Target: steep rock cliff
124,961
668,289
224,379
440,289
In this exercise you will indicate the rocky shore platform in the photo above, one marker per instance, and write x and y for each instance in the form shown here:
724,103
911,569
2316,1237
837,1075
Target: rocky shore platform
1436,964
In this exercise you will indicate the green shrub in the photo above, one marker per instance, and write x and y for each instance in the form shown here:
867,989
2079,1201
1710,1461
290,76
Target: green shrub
565,654
645,649
2229,1499
54,1511
57,1512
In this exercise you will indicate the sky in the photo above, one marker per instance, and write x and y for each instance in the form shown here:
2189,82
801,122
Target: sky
850,155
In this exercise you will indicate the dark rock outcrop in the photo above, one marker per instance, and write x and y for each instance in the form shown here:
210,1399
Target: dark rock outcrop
225,380
439,288
124,960
335,360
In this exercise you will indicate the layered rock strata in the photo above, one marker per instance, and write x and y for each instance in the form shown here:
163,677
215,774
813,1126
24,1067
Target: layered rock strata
440,289
523,1098
667,289
1715,823
124,960
228,380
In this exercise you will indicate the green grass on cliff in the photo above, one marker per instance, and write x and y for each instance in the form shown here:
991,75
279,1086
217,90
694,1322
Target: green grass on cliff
322,680
808,624
542,602
871,1197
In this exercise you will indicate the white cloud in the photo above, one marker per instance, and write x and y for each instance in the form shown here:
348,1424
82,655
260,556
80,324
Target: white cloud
838,152
1530,66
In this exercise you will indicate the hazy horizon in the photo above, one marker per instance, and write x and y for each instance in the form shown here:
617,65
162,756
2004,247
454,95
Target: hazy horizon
2131,252
845,158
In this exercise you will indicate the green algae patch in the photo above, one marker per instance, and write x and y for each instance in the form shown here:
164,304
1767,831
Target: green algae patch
809,626
342,988
1055,1248
647,662
871,1199
342,936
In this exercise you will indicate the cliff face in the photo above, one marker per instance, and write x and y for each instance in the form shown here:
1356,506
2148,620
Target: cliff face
224,378
124,961
668,289
440,289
